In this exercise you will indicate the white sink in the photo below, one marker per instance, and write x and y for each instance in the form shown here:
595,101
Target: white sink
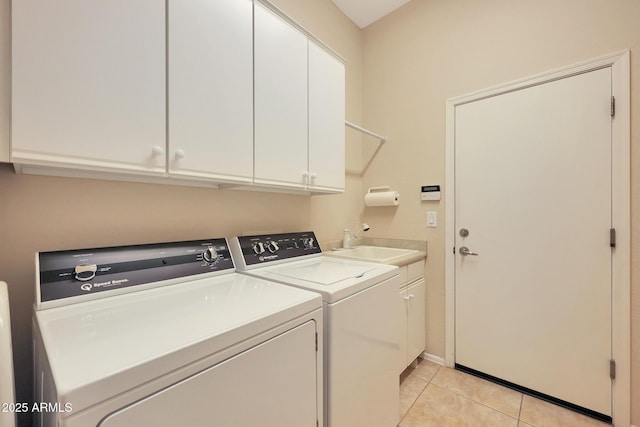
373,253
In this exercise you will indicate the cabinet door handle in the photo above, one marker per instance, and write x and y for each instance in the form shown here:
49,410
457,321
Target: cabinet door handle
179,154
157,150
407,298
411,295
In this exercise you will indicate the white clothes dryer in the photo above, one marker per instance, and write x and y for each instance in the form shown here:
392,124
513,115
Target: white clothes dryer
362,326
186,342
7,391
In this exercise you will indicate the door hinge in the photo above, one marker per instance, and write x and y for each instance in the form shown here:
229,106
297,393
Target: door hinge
612,237
612,369
454,250
613,106
316,341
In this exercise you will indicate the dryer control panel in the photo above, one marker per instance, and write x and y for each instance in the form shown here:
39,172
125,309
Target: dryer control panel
63,275
262,249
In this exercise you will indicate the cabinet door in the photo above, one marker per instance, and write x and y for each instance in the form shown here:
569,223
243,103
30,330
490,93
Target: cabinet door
403,313
88,84
280,101
326,120
416,319
211,89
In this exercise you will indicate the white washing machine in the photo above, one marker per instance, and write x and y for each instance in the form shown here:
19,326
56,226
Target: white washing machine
186,341
361,333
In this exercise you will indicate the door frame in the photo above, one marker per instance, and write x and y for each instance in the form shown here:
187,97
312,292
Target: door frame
621,216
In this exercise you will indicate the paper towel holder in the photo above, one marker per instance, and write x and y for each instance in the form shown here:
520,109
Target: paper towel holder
382,188
381,196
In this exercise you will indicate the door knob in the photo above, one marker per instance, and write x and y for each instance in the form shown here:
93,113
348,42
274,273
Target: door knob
464,251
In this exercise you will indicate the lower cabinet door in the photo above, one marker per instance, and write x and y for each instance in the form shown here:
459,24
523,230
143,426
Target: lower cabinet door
403,313
416,320
270,385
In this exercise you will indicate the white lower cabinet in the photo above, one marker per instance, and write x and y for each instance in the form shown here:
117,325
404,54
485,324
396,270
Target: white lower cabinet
412,308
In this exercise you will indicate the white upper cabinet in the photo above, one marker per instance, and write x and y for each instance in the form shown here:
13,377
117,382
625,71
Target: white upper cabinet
210,83
326,120
299,108
280,62
195,92
88,84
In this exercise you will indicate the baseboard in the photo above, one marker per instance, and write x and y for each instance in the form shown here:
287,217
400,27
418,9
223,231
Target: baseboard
432,358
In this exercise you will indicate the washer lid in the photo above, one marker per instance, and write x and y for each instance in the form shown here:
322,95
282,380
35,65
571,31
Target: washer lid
333,278
100,348
324,271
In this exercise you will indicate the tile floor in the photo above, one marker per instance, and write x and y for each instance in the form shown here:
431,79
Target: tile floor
433,395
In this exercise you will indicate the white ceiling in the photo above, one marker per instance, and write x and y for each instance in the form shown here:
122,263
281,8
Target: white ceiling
365,12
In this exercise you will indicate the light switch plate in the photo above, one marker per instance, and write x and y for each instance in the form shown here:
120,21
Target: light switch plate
432,219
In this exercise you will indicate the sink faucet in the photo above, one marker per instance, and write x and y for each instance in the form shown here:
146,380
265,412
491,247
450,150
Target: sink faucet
347,237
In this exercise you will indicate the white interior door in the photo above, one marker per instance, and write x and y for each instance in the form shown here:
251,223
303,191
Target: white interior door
533,189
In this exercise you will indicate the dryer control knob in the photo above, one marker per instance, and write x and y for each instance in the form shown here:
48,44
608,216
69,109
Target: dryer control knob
85,272
210,255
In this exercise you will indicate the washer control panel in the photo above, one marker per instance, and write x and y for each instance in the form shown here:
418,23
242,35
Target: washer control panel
265,248
82,272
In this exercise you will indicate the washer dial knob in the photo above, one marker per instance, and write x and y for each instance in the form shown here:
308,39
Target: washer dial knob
308,243
273,246
258,248
210,255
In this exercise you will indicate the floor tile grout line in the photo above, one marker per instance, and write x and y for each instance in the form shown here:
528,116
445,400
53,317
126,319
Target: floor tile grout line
475,401
419,394
520,411
478,402
518,419
412,404
484,404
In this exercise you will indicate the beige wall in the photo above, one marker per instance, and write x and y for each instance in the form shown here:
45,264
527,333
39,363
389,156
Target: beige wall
48,213
432,50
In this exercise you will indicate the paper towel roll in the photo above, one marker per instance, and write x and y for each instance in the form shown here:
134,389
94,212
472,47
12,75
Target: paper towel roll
382,198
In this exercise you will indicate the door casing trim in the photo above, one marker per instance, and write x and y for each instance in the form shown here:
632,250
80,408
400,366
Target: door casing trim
619,62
